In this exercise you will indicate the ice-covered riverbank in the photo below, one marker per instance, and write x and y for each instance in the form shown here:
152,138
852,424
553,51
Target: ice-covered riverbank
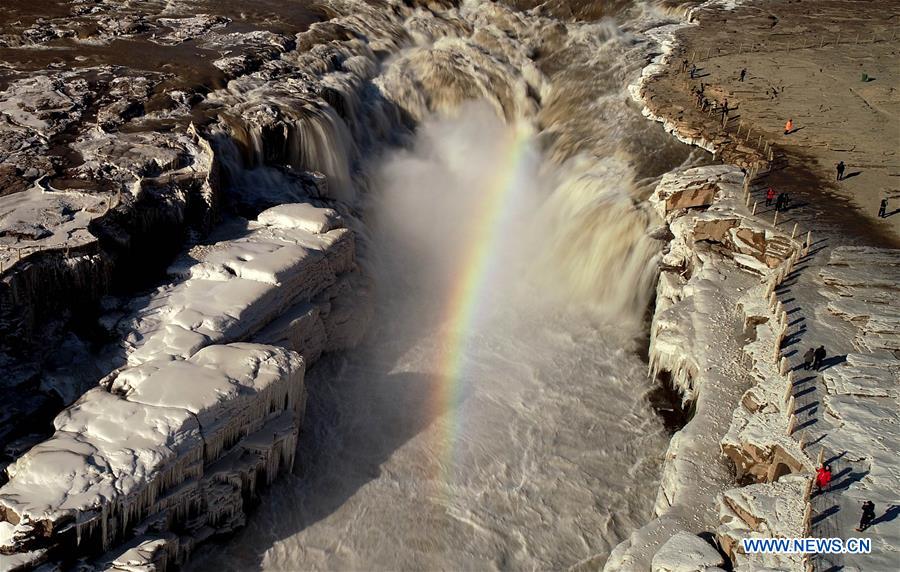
738,303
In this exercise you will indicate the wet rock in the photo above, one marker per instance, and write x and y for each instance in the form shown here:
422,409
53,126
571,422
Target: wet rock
701,196
127,96
183,29
713,230
122,26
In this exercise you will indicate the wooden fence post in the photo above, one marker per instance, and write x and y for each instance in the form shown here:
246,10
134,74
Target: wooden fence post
794,232
807,516
775,219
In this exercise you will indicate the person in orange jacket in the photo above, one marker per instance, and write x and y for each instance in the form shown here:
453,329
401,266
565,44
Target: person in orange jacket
789,126
823,477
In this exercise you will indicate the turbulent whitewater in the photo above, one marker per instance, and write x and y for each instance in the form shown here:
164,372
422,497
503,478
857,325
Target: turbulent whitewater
478,173
548,453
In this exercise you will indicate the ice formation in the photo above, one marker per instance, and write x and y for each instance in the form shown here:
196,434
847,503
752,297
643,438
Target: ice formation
717,262
171,446
174,445
686,552
766,510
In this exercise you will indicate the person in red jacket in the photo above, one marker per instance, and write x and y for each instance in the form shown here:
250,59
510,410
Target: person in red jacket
770,196
823,477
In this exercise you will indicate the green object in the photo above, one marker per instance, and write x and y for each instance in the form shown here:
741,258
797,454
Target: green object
865,77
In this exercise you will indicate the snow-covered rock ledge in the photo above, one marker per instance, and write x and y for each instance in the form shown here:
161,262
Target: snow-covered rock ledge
176,446
717,257
170,448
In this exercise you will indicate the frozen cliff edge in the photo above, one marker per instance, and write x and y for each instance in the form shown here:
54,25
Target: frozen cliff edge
717,255
755,418
172,447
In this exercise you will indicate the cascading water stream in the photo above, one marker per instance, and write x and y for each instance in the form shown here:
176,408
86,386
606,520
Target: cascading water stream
484,422
497,415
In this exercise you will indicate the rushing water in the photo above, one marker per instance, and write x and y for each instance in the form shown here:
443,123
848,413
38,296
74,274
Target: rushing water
496,415
547,454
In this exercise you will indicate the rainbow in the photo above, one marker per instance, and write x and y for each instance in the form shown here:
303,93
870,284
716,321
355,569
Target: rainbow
465,303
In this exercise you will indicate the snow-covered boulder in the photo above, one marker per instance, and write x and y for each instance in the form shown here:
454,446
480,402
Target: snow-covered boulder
302,216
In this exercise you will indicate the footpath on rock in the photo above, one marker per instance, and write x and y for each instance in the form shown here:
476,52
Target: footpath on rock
728,81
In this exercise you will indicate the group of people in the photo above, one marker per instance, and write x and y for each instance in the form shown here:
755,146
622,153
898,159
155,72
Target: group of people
813,358
781,201
823,480
704,104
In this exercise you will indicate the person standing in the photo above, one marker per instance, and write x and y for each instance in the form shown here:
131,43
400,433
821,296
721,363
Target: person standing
781,202
840,171
808,358
882,210
693,70
770,196
868,515
819,357
789,126
743,74
823,477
